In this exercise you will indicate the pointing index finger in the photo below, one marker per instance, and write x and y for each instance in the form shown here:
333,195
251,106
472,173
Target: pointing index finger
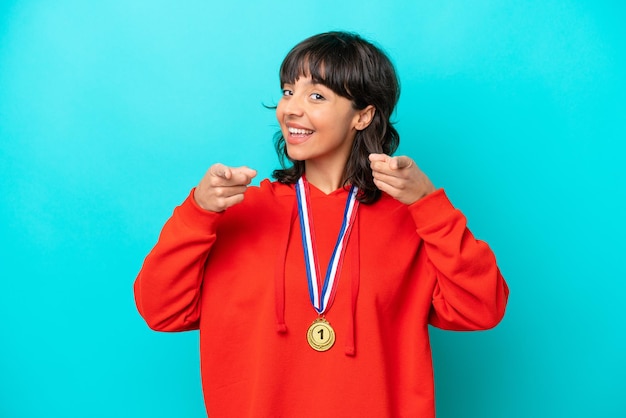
222,171
398,163
243,175
378,157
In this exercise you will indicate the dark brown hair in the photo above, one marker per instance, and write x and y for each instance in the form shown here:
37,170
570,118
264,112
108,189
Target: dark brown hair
359,71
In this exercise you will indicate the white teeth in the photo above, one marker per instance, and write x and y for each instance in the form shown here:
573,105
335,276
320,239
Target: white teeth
295,131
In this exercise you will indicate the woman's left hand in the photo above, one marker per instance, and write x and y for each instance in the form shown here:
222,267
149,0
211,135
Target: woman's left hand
400,177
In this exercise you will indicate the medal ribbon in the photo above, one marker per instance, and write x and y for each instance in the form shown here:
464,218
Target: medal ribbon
321,293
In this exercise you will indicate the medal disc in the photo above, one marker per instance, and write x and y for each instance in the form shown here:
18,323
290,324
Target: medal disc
320,335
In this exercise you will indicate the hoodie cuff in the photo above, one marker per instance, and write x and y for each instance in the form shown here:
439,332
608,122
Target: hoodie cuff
432,210
195,217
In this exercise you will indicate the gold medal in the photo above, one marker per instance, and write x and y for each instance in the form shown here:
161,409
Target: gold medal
320,335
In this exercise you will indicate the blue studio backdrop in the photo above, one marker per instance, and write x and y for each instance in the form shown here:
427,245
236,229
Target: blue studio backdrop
110,112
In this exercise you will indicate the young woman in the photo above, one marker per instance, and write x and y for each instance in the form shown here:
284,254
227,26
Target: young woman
313,293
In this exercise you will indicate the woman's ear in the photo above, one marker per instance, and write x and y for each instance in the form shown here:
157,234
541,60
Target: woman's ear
365,117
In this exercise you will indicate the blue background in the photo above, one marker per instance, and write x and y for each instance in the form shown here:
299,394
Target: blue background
111,112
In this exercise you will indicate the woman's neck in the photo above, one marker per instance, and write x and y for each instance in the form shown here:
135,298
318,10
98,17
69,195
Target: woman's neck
326,179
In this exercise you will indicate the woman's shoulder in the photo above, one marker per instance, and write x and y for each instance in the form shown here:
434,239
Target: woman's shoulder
265,203
268,189
267,195
386,203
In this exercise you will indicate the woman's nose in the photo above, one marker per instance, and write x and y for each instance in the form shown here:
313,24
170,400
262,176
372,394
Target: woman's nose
293,105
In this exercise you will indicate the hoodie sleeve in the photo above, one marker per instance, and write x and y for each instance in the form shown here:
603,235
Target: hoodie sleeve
470,292
167,289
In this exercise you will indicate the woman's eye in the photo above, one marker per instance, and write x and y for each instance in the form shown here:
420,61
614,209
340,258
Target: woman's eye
317,96
287,92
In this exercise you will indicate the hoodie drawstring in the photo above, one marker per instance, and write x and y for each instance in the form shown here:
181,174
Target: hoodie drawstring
279,274
355,252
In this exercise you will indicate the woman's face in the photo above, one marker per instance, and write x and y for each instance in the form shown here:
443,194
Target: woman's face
318,125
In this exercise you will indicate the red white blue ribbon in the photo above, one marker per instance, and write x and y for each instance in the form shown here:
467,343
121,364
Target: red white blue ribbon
321,293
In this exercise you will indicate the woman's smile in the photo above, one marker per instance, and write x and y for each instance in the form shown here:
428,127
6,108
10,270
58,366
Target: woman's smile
297,135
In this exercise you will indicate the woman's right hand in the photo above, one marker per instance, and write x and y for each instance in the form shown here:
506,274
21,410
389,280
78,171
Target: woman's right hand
222,187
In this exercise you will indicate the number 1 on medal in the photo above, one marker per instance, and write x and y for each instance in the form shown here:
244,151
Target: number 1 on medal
320,335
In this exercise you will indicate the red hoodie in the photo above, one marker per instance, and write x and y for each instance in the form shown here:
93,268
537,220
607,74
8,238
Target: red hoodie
239,276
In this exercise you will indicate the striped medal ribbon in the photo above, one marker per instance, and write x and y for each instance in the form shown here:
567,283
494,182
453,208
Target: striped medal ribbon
321,293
